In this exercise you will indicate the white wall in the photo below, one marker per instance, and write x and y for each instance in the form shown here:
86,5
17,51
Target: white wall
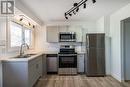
100,25
2,34
103,27
115,33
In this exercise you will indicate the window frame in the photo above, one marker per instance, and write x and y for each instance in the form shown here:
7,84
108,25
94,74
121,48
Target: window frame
16,48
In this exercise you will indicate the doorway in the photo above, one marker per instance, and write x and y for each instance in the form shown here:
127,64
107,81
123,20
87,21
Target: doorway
125,40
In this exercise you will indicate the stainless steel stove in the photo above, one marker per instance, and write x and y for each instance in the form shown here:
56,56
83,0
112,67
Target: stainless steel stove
67,60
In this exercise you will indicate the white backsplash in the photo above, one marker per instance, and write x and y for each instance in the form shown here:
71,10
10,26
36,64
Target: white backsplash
54,47
51,47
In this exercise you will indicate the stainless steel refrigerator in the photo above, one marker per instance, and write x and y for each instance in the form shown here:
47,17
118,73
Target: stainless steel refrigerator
95,55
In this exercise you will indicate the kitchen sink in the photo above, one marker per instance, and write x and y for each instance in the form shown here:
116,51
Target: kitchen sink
32,54
24,56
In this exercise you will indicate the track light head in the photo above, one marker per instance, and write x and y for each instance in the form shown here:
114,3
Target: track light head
94,1
84,5
20,19
77,9
74,12
29,23
70,14
66,17
75,4
33,26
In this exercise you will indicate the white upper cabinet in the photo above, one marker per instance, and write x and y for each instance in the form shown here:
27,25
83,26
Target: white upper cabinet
63,28
78,31
52,34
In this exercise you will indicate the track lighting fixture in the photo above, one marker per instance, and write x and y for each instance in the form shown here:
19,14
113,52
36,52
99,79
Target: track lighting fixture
26,21
75,8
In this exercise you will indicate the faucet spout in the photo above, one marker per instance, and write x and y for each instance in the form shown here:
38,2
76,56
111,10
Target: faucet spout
21,48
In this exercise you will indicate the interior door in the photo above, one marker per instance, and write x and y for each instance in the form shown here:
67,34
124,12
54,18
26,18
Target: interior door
127,50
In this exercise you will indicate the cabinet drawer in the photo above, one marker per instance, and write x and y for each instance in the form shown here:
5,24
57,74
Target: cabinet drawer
33,61
80,64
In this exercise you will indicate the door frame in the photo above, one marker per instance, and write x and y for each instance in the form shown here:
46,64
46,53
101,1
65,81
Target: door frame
123,49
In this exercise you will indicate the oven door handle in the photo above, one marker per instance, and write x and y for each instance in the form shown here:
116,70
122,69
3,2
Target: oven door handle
67,55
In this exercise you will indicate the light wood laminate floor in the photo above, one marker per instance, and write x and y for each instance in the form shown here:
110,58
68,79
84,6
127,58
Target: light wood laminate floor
79,81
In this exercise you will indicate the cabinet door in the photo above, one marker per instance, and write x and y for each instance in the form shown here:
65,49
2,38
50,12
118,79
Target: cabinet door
63,28
35,70
32,75
39,66
80,63
44,65
52,34
78,31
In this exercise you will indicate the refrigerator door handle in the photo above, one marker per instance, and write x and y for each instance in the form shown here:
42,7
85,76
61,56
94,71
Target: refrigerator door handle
87,41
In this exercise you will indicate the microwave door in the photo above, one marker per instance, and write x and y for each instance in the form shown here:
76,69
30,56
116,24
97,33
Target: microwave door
67,37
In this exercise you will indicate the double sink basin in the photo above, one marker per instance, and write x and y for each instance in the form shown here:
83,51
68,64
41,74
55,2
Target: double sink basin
24,56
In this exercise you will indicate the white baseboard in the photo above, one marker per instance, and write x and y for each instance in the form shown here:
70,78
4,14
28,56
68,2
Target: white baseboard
116,77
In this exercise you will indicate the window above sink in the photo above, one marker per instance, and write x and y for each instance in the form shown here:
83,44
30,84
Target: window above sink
19,34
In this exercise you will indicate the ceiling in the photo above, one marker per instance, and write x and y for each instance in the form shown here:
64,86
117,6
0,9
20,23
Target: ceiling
53,10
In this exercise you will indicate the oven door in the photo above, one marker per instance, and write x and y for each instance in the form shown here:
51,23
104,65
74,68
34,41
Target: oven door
67,61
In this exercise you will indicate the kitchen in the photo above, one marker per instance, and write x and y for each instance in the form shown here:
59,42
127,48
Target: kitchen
61,51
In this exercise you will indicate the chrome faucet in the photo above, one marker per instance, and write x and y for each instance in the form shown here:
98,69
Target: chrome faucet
21,48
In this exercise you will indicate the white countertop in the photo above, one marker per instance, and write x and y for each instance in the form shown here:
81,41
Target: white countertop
50,52
8,59
81,52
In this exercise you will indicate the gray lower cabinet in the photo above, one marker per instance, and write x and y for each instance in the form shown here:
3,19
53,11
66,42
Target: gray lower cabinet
80,61
22,73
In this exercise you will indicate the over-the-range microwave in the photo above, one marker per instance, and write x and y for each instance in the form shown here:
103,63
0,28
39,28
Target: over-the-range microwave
67,37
